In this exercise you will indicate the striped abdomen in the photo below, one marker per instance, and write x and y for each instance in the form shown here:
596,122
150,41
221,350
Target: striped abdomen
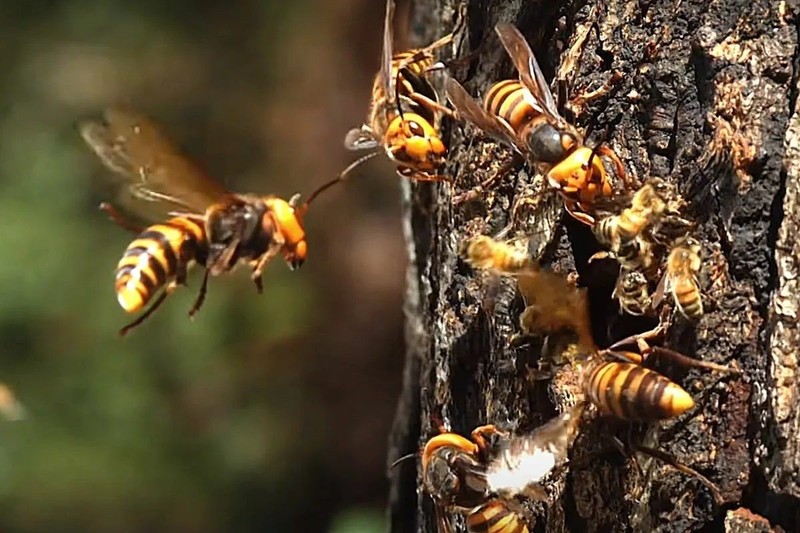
418,62
410,81
632,392
160,254
631,223
687,295
606,232
510,100
495,516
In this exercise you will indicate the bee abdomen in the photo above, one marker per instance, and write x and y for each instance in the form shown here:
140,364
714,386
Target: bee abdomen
605,231
632,392
687,296
159,255
495,516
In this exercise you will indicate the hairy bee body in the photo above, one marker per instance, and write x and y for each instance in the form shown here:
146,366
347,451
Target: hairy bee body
632,292
683,269
495,516
633,392
623,233
160,256
485,253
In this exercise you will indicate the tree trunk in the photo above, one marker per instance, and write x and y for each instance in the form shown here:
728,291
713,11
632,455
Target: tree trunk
707,101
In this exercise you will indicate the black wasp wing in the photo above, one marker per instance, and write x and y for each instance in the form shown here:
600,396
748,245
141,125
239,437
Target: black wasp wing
133,146
470,110
529,72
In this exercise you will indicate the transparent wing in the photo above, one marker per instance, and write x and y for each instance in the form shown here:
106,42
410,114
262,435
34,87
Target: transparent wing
529,72
387,80
360,139
472,111
134,148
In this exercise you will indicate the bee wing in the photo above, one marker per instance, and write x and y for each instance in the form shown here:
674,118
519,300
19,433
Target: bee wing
387,80
473,112
360,139
529,72
134,148
664,286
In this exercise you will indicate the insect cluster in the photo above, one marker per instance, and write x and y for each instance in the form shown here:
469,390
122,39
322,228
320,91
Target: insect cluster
643,226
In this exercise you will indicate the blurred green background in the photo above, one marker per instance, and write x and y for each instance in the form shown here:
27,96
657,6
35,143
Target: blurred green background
265,413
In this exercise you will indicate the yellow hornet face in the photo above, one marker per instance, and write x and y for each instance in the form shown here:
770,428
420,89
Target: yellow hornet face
575,180
411,139
290,226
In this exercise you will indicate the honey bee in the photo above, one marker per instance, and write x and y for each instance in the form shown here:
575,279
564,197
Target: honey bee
404,112
632,292
485,253
681,279
209,225
524,114
479,477
623,233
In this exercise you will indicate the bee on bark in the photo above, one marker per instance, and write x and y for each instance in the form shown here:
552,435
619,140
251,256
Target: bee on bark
632,291
404,112
523,113
207,224
623,234
681,279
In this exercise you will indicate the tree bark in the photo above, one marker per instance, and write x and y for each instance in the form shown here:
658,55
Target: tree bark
707,101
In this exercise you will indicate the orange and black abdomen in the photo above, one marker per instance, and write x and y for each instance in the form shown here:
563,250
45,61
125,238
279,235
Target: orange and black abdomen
509,100
416,61
495,516
632,392
160,255
687,295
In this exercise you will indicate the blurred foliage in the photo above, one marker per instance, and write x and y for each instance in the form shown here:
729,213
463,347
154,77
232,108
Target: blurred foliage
264,413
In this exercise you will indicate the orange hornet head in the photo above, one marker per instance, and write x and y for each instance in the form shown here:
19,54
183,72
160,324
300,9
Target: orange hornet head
287,218
412,139
574,178
451,472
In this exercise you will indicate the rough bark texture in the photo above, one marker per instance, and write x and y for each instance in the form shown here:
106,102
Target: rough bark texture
705,85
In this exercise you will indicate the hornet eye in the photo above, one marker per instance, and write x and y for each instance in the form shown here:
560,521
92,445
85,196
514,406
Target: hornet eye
415,129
